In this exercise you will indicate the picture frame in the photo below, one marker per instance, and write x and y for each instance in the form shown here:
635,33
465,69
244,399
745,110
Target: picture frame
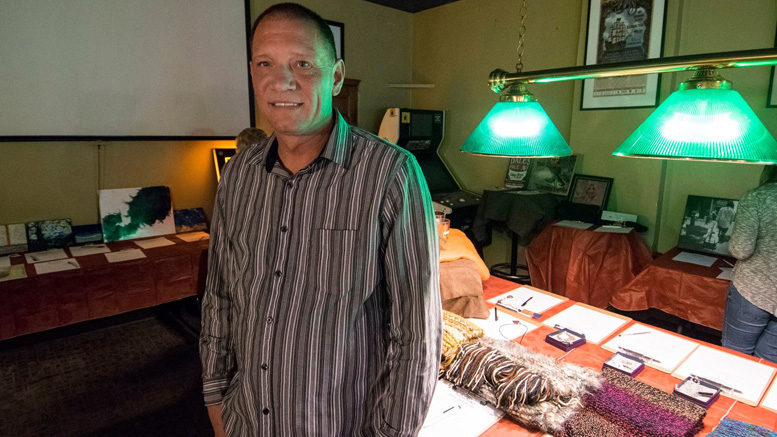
707,224
551,175
338,31
591,190
620,32
771,97
220,158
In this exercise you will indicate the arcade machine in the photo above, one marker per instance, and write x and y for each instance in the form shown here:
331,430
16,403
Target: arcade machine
421,132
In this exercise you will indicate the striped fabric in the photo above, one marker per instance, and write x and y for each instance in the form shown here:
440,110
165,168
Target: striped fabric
321,314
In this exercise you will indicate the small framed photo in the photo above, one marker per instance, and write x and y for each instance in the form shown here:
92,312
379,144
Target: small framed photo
590,190
697,391
565,339
220,159
551,175
338,31
625,363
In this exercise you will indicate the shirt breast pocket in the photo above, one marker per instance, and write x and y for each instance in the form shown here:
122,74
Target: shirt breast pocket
333,260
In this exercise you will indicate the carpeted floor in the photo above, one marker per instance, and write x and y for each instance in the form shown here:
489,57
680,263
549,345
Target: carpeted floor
140,378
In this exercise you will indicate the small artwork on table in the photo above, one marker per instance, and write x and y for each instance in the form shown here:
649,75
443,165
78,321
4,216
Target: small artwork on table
517,173
188,220
707,224
551,175
88,234
590,190
13,238
130,213
49,234
220,159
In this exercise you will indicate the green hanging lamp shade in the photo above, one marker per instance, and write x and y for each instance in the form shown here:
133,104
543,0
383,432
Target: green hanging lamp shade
516,126
705,119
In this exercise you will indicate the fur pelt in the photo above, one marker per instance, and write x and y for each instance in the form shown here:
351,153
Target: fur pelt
568,383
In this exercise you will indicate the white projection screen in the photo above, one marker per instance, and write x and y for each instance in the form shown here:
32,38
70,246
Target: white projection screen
135,69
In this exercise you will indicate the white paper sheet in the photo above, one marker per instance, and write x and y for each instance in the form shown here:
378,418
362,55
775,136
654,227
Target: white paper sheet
770,400
748,376
124,255
539,302
614,229
596,325
154,242
59,265
695,258
455,412
725,273
46,255
15,272
90,249
193,236
667,350
574,224
506,328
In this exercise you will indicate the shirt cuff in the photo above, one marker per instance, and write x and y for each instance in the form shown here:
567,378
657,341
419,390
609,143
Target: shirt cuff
213,390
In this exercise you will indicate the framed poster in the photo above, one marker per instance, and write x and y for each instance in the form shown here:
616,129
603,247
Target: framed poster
590,190
338,31
771,100
551,175
621,31
707,224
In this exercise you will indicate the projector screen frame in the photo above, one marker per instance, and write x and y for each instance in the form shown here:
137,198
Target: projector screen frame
109,138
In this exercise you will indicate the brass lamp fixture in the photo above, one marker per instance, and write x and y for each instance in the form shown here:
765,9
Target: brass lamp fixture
705,119
517,125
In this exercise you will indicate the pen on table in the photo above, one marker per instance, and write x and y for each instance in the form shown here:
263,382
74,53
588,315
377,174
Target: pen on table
496,317
449,409
732,265
524,311
634,333
527,301
716,384
643,357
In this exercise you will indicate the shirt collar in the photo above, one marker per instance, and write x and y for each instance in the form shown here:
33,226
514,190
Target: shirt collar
337,150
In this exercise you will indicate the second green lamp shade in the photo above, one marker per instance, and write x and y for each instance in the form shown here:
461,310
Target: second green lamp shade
702,124
517,129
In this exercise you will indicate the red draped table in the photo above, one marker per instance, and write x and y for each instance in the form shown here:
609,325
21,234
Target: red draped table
585,265
688,291
592,356
99,288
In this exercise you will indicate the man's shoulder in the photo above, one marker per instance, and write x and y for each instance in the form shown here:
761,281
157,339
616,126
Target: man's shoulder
371,143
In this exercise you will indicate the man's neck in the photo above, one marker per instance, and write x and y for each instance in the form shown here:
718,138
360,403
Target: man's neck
297,151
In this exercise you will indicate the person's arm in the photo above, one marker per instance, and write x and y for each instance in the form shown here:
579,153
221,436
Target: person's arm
218,362
745,232
413,282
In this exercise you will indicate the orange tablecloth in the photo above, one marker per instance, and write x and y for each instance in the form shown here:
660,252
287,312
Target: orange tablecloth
584,265
592,356
689,291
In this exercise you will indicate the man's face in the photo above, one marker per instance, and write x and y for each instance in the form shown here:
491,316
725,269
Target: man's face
294,76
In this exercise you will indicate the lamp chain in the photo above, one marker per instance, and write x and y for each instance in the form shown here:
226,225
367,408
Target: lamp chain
521,33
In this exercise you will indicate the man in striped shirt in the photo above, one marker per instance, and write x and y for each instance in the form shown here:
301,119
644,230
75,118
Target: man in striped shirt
321,314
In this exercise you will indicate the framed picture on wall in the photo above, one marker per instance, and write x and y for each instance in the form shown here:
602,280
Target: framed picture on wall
621,31
771,100
551,175
590,190
338,31
707,224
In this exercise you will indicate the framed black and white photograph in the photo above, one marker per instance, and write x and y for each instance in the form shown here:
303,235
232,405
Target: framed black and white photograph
620,31
551,175
590,190
707,224
338,31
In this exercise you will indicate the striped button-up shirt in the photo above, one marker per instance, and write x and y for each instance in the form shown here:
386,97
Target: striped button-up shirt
321,314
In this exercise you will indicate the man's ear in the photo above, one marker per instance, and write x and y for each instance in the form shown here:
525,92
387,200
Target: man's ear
339,73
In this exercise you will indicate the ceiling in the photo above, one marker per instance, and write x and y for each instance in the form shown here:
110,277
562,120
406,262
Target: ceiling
411,5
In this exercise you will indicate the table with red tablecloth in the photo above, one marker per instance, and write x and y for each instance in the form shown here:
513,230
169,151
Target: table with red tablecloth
585,265
99,288
592,356
689,291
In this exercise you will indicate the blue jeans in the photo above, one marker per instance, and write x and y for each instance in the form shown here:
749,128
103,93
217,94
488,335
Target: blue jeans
749,329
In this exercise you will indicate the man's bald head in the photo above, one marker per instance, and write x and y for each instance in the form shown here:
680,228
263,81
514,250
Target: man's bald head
296,11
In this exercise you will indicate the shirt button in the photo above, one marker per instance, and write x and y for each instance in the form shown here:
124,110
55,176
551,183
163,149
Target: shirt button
277,273
284,229
269,320
290,184
264,366
266,411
